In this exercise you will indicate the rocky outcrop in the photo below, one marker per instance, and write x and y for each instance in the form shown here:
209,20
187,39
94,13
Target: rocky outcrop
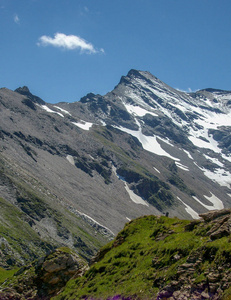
44,278
26,92
162,258
216,277
220,222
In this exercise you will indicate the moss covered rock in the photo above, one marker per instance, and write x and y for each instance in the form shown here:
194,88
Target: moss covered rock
45,277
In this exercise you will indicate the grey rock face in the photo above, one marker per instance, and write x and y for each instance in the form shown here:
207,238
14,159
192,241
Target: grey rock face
86,168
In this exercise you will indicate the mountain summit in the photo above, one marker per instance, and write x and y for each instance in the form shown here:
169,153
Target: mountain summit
75,173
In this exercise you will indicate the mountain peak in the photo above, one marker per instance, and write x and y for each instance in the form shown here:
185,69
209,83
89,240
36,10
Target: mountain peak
25,91
134,72
140,74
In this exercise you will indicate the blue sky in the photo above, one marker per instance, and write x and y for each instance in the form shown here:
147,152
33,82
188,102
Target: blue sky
64,49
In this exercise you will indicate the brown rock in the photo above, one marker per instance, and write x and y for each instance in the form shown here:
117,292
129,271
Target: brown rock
54,280
187,265
176,257
213,214
205,295
214,277
192,224
51,266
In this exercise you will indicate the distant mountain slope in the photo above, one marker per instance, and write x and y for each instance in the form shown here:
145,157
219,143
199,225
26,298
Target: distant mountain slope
75,173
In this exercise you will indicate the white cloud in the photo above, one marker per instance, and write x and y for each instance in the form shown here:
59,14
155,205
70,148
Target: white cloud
16,19
68,42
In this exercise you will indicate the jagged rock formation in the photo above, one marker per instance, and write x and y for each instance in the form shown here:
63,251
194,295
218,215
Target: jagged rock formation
74,173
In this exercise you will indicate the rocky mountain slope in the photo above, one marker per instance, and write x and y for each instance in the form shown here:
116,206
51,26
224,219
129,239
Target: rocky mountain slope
72,174
153,257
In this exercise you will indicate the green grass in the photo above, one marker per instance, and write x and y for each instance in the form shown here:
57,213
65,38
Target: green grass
141,259
24,244
227,294
22,239
6,274
129,272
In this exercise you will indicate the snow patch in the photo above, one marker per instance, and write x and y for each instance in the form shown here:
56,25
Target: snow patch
167,141
138,111
188,153
149,143
181,166
205,117
226,157
46,108
209,120
156,170
189,210
217,203
201,139
94,223
221,176
214,160
137,98
135,198
83,125
103,123
63,110
70,159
